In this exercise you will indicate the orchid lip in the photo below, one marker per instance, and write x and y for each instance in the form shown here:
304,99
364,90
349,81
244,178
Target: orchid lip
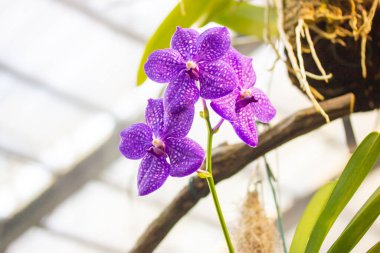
245,99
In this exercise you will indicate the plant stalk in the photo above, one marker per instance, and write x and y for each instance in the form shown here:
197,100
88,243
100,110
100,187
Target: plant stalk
210,180
279,220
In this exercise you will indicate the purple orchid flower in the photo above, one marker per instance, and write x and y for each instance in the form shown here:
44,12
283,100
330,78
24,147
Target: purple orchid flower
162,138
193,57
246,104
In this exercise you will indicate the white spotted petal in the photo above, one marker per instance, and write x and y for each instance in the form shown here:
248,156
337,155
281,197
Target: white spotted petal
186,156
216,79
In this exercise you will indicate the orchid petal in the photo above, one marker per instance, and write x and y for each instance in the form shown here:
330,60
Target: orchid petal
248,76
135,140
186,156
178,124
233,58
184,41
163,66
245,126
225,106
242,66
212,44
153,172
263,109
216,79
154,116
180,93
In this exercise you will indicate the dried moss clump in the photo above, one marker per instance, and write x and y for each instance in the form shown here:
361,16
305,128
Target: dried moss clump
255,233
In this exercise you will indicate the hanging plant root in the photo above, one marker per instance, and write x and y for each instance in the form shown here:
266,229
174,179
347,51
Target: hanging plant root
333,47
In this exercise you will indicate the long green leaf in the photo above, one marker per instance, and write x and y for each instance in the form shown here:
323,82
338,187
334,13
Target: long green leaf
375,248
185,14
353,175
309,217
359,225
247,19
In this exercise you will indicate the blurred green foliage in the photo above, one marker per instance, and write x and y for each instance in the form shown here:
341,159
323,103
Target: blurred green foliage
241,17
330,200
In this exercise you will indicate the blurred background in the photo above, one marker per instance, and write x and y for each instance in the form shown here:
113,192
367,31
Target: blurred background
67,88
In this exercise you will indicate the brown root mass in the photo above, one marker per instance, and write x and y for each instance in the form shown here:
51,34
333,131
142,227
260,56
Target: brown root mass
346,37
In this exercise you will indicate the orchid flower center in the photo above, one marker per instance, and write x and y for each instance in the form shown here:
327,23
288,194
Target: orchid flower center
245,93
157,143
244,99
191,65
158,147
192,70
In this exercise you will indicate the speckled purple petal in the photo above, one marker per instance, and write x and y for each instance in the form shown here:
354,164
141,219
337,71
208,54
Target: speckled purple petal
178,124
184,41
180,93
248,77
135,140
245,126
234,59
263,109
216,79
225,106
154,116
163,66
186,156
212,44
153,172
242,66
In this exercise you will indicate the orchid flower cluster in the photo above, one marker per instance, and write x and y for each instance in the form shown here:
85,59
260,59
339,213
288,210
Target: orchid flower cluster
196,65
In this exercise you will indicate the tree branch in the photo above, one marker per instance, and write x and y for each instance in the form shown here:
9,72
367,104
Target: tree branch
230,159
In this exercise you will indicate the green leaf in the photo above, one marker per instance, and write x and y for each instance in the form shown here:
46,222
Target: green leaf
247,19
185,14
213,9
309,218
359,225
375,248
358,167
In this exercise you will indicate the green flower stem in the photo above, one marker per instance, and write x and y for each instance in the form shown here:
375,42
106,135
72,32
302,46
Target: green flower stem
279,220
210,180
